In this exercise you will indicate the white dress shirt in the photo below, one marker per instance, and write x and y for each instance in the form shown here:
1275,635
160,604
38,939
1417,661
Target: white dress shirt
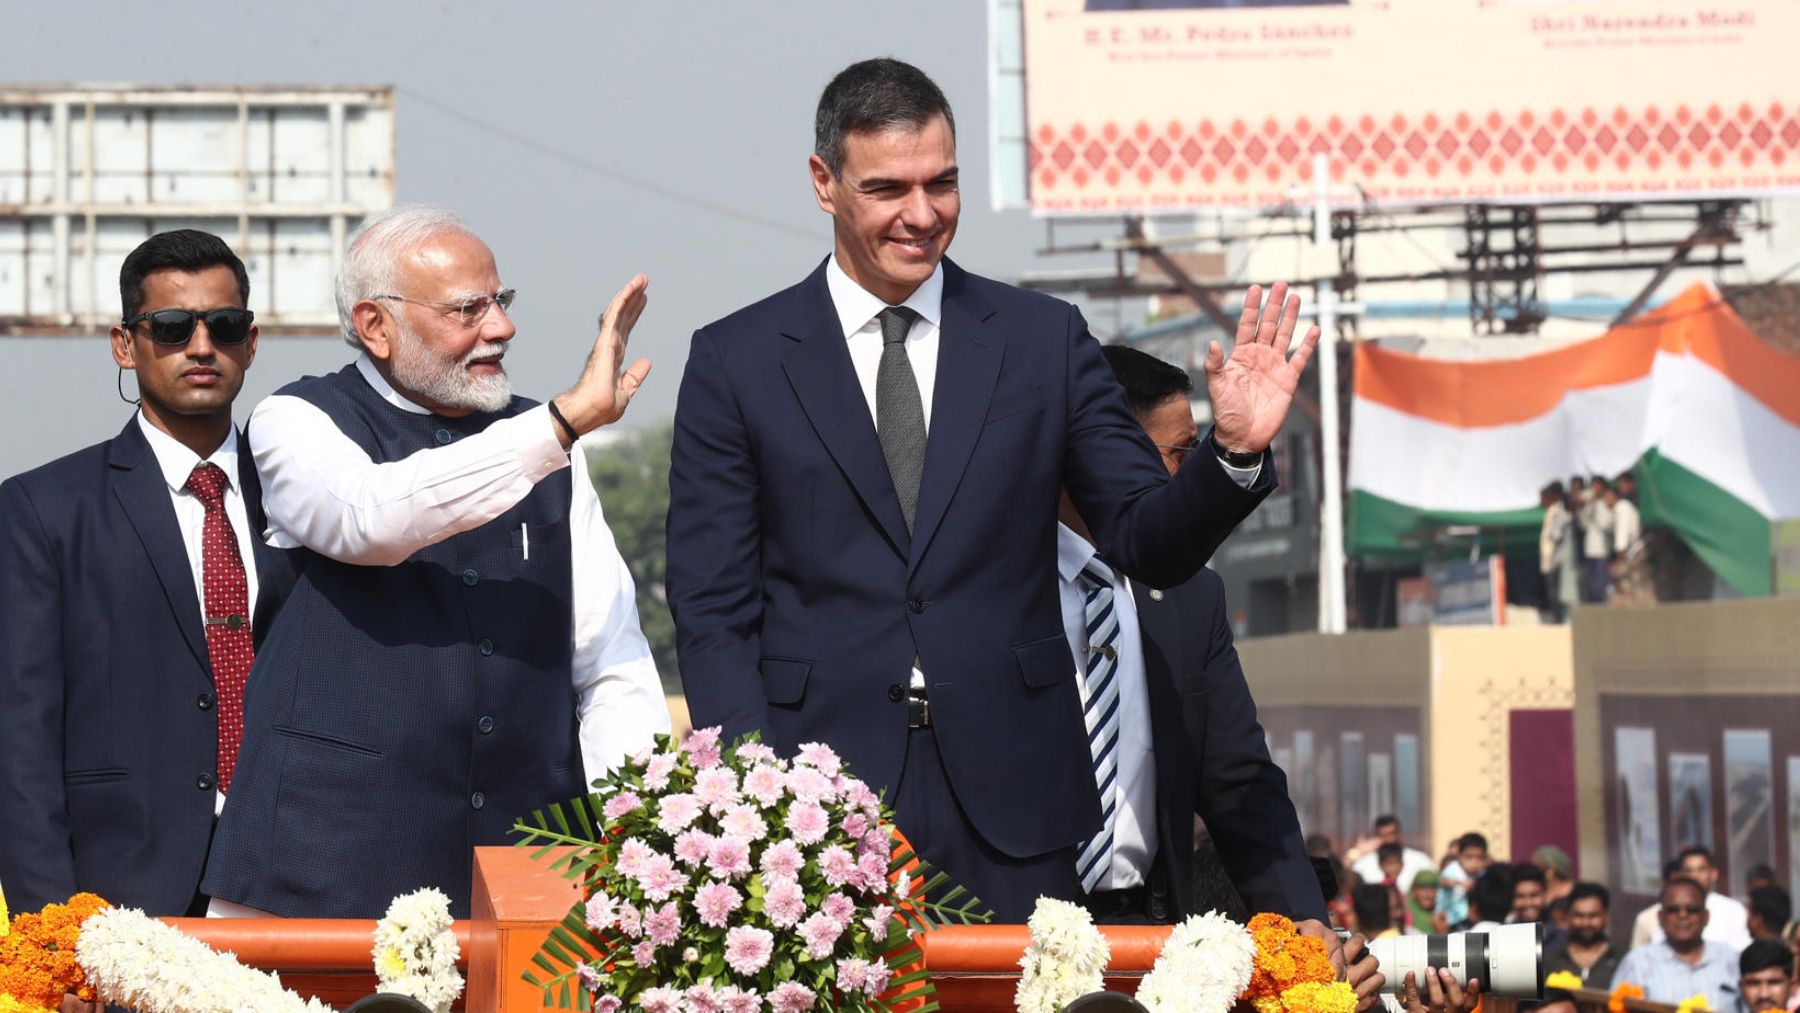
321,491
177,463
1134,829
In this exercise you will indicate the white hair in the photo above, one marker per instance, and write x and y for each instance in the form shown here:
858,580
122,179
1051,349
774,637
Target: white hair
372,253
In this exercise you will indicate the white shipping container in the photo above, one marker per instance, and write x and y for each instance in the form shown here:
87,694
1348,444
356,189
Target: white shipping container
87,172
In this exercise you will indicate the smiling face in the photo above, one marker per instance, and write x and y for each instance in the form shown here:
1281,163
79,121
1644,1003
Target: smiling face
1587,920
180,384
425,351
1683,913
894,205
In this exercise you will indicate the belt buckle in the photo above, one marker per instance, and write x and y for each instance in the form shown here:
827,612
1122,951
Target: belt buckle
918,710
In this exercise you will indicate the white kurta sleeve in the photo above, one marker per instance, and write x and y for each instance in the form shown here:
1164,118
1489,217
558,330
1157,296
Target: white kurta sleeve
618,694
322,491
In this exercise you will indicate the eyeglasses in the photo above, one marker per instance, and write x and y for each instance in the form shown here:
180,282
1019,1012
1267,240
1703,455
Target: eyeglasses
469,311
226,326
1684,909
1183,450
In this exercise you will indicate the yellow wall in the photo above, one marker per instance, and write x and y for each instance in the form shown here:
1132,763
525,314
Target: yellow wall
1479,675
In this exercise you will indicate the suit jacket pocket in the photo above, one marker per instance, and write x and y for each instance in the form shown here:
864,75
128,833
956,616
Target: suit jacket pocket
784,679
330,741
94,776
1009,405
1045,662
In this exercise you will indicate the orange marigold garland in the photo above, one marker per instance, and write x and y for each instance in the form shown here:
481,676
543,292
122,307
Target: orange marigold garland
1626,990
37,958
1293,972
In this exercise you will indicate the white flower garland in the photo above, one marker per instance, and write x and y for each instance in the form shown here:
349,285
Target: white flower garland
1203,968
1065,960
415,950
134,960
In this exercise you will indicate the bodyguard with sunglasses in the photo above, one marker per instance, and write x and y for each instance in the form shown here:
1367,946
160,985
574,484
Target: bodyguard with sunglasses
133,589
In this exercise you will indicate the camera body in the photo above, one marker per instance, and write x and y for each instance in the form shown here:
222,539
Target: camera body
1508,961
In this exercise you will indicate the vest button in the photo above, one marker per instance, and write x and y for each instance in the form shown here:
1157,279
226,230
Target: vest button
477,800
895,693
443,436
470,577
204,701
486,647
485,725
204,782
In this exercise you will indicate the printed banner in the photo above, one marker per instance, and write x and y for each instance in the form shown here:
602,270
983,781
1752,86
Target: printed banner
1165,105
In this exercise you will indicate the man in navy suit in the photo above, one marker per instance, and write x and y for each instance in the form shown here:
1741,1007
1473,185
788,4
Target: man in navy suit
120,733
1188,741
863,504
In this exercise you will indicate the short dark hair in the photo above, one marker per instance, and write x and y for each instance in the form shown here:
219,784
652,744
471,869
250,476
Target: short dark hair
1761,870
1387,851
1774,905
1764,954
1686,883
1525,872
1385,819
1148,381
1492,893
1471,840
1371,905
1583,891
1691,851
178,250
874,95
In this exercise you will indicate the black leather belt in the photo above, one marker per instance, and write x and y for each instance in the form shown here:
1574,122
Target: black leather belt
918,709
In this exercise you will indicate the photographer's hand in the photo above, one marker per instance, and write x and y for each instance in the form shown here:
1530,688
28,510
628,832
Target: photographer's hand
1443,994
1363,974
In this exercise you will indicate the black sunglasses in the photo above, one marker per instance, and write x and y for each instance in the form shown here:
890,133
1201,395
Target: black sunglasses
226,326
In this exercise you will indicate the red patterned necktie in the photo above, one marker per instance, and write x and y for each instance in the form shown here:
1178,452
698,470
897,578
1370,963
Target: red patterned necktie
227,614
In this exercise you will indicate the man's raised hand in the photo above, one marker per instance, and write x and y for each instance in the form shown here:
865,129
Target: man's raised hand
1252,390
603,392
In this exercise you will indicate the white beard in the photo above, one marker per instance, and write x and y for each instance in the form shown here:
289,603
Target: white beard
445,381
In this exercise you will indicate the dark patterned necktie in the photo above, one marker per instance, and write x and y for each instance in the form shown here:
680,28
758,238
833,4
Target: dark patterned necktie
227,614
1101,712
899,414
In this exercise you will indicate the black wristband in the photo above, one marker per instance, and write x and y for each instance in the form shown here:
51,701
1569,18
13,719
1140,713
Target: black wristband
1232,457
557,414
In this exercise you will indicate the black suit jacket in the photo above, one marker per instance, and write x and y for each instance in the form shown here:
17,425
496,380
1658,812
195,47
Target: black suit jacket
106,781
801,598
1212,758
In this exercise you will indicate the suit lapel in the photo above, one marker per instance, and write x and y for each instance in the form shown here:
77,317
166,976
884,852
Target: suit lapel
138,483
818,366
969,355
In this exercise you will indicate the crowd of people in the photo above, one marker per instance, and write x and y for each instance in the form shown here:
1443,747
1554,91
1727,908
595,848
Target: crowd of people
1743,955
1592,548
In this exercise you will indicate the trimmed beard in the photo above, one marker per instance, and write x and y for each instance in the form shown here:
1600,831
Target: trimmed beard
419,369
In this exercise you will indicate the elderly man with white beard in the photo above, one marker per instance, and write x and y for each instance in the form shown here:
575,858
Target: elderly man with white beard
462,644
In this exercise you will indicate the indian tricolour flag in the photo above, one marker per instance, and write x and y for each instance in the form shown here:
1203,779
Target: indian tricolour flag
1704,411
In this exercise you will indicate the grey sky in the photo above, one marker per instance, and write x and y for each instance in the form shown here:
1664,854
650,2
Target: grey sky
712,100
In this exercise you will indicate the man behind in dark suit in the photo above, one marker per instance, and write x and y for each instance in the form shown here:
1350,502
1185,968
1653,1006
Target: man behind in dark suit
863,502
122,732
1188,741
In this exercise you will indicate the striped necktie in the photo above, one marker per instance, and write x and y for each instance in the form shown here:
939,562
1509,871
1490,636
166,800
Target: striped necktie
1100,678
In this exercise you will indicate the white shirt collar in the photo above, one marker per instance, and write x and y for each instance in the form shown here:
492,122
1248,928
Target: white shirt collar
1073,553
856,306
177,462
366,366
